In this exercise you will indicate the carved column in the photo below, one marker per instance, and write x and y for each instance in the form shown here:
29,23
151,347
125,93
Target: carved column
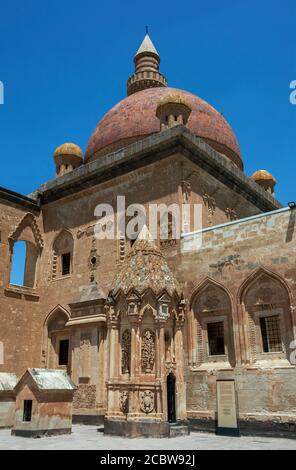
179,355
135,349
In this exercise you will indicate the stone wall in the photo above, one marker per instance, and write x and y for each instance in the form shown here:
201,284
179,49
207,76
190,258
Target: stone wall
246,257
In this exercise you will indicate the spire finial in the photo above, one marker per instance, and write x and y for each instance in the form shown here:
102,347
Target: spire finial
147,73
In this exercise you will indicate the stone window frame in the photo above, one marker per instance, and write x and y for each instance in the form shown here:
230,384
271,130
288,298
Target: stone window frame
59,336
259,312
56,269
211,358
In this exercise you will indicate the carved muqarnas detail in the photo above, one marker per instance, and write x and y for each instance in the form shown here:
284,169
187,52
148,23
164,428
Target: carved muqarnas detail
123,402
148,351
147,401
125,351
85,397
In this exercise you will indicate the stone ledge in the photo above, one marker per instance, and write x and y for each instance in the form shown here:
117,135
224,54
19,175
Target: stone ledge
19,200
39,432
22,292
136,429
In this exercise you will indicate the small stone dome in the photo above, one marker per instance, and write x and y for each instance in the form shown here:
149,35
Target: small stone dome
174,98
265,180
67,158
68,149
263,175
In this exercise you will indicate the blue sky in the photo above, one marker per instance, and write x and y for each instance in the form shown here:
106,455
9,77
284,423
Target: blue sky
65,63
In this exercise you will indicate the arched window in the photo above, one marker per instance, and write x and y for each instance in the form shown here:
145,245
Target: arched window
266,306
212,325
25,249
63,255
18,265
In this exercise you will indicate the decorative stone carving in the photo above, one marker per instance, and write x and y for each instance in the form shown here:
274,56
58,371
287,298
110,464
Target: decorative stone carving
231,214
122,242
123,402
85,397
125,352
94,258
186,190
148,351
211,302
85,342
27,221
147,401
168,232
210,203
228,262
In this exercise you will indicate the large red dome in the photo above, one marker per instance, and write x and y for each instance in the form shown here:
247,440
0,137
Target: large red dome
134,118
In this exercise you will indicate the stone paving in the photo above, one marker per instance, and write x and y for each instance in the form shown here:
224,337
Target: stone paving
92,438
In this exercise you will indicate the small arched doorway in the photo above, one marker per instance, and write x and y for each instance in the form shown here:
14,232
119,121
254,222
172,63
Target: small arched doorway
171,397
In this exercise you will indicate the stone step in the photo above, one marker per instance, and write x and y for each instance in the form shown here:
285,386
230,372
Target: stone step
176,430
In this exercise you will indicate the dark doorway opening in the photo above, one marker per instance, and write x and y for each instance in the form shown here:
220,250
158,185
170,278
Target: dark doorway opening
171,397
64,352
27,415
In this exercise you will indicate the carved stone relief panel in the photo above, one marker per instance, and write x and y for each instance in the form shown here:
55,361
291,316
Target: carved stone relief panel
148,351
125,352
123,402
147,401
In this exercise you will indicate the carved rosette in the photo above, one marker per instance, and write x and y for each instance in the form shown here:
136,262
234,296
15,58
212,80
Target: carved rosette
125,351
123,402
148,351
147,401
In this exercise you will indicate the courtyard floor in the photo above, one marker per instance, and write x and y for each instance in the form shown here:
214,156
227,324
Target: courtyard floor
92,438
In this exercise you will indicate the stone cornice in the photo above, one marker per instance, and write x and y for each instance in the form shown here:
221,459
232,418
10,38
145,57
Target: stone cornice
152,149
19,200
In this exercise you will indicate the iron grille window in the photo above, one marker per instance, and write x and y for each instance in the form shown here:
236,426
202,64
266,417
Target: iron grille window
27,416
216,338
66,263
63,352
271,333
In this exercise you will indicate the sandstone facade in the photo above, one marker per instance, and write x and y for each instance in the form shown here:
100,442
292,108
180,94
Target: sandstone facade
232,307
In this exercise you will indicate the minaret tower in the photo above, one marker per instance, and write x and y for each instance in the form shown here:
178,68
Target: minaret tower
147,73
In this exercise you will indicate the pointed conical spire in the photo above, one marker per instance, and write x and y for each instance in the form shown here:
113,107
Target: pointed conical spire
147,73
147,46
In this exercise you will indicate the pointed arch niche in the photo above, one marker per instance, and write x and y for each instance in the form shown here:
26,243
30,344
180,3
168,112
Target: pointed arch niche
57,340
266,309
212,326
27,232
63,247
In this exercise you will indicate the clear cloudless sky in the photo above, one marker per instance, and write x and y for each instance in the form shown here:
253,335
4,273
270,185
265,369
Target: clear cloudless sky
64,64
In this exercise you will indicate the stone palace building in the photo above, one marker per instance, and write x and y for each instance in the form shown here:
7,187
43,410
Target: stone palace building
145,328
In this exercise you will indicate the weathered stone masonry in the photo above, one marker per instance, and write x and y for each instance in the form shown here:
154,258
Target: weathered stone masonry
144,329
